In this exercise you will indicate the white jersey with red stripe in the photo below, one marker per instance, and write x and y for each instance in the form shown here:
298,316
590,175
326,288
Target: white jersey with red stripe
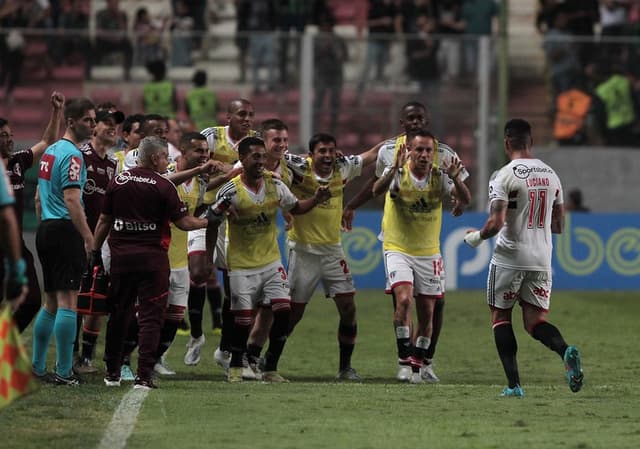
531,188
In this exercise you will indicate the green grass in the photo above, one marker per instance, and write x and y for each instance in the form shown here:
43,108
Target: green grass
198,409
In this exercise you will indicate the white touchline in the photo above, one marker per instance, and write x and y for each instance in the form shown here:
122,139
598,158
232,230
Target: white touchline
123,420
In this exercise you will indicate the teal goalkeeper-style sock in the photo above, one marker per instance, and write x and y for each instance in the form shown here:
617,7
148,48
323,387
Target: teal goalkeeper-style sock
65,331
42,330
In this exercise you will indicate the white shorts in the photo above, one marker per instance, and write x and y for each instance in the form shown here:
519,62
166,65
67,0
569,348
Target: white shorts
179,287
505,286
196,243
306,270
425,273
261,287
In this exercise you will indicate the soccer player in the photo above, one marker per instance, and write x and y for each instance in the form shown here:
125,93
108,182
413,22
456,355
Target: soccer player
316,253
194,153
63,240
413,116
525,208
137,209
16,165
223,141
276,139
415,187
253,258
130,138
101,168
15,281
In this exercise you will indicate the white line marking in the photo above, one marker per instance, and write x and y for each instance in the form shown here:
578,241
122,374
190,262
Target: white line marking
123,420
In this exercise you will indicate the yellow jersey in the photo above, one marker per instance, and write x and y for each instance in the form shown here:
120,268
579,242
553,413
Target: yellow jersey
252,235
412,220
191,193
221,148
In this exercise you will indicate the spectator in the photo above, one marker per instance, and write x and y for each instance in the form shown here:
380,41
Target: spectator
575,202
330,54
73,23
242,36
422,58
148,38
545,15
613,17
261,23
409,11
14,15
111,35
452,25
478,18
381,22
572,110
582,17
159,95
615,108
201,103
182,27
292,15
197,11
562,60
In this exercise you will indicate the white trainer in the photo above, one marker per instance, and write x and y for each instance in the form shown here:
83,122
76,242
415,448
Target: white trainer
192,356
404,373
428,375
222,359
416,378
162,368
247,372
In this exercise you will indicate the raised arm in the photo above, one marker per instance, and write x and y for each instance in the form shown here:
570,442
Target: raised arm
391,173
50,134
370,156
462,192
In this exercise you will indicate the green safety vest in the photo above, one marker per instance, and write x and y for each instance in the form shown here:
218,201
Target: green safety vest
158,98
202,107
615,93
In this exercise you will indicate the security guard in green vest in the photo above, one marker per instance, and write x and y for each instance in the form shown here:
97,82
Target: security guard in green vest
201,102
159,95
617,111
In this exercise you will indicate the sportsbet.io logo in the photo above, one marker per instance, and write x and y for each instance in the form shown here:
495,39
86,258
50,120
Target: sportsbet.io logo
126,176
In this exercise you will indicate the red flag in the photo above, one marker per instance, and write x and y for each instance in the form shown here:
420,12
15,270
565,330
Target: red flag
15,367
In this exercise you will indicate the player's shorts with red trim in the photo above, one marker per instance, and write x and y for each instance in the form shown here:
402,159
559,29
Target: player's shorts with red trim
264,285
306,270
505,286
425,273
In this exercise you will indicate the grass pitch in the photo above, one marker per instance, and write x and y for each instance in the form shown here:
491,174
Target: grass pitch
197,409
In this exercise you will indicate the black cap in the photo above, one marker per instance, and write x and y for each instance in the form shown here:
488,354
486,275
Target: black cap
103,115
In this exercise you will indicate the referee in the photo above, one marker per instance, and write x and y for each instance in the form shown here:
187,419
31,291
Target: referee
63,241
